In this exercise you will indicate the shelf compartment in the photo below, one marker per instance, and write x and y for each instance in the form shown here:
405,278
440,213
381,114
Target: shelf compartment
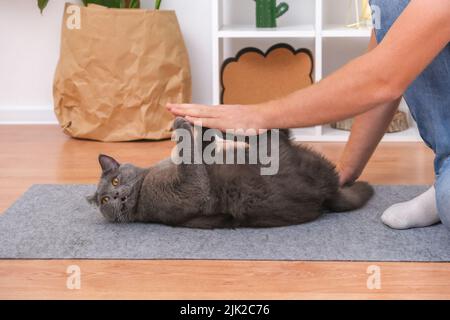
328,35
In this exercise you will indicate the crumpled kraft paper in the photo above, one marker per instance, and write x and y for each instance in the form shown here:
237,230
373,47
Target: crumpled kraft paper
117,70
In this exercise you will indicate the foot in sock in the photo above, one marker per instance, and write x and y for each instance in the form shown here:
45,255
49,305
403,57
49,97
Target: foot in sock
416,213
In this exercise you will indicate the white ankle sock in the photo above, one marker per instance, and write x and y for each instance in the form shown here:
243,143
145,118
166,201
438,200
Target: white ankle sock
416,213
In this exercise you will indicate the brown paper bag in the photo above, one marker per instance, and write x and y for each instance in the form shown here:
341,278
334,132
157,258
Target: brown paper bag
117,70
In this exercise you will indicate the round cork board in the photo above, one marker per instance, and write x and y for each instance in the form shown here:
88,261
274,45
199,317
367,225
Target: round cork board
254,76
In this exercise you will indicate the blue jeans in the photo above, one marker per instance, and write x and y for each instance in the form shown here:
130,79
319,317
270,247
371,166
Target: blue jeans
442,186
428,99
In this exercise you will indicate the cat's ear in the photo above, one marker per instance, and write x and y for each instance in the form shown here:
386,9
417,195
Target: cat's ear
92,200
107,163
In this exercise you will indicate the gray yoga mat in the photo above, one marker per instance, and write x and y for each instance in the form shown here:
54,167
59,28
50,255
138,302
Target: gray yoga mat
55,222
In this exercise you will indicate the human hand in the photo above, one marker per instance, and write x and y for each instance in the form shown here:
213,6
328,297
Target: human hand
347,176
224,117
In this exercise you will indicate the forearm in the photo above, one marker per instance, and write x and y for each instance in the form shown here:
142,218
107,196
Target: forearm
354,89
367,131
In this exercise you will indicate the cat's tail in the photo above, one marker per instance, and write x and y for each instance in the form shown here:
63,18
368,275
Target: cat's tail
350,198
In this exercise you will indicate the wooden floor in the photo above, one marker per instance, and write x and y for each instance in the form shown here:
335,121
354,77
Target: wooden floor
42,154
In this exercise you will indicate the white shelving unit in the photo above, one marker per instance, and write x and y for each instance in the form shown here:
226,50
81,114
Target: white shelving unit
314,27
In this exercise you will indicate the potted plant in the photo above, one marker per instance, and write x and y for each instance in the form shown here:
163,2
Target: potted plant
268,11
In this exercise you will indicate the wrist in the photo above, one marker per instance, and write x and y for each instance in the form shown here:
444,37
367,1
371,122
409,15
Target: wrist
271,115
347,174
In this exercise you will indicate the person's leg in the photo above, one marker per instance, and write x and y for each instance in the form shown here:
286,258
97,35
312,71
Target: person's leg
428,99
443,193
426,209
416,213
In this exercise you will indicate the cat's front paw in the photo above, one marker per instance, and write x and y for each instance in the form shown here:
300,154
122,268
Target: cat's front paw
180,122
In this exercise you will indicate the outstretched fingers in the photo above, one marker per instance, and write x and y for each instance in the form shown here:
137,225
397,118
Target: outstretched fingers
192,110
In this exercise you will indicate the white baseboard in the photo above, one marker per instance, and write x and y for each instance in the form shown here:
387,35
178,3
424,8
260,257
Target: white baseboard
27,115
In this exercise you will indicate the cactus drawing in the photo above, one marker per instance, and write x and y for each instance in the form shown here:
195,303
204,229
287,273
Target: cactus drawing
267,12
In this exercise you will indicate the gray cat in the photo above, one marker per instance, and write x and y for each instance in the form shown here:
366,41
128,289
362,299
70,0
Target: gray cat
226,195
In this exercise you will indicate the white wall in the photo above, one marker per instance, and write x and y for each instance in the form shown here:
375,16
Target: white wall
29,46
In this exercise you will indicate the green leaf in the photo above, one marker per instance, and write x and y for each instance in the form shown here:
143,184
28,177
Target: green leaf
134,4
157,4
106,3
42,4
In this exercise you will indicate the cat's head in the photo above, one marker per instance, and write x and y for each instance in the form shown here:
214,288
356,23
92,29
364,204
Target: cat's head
118,189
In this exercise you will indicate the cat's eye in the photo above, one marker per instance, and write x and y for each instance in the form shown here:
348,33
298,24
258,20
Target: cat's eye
105,200
115,182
